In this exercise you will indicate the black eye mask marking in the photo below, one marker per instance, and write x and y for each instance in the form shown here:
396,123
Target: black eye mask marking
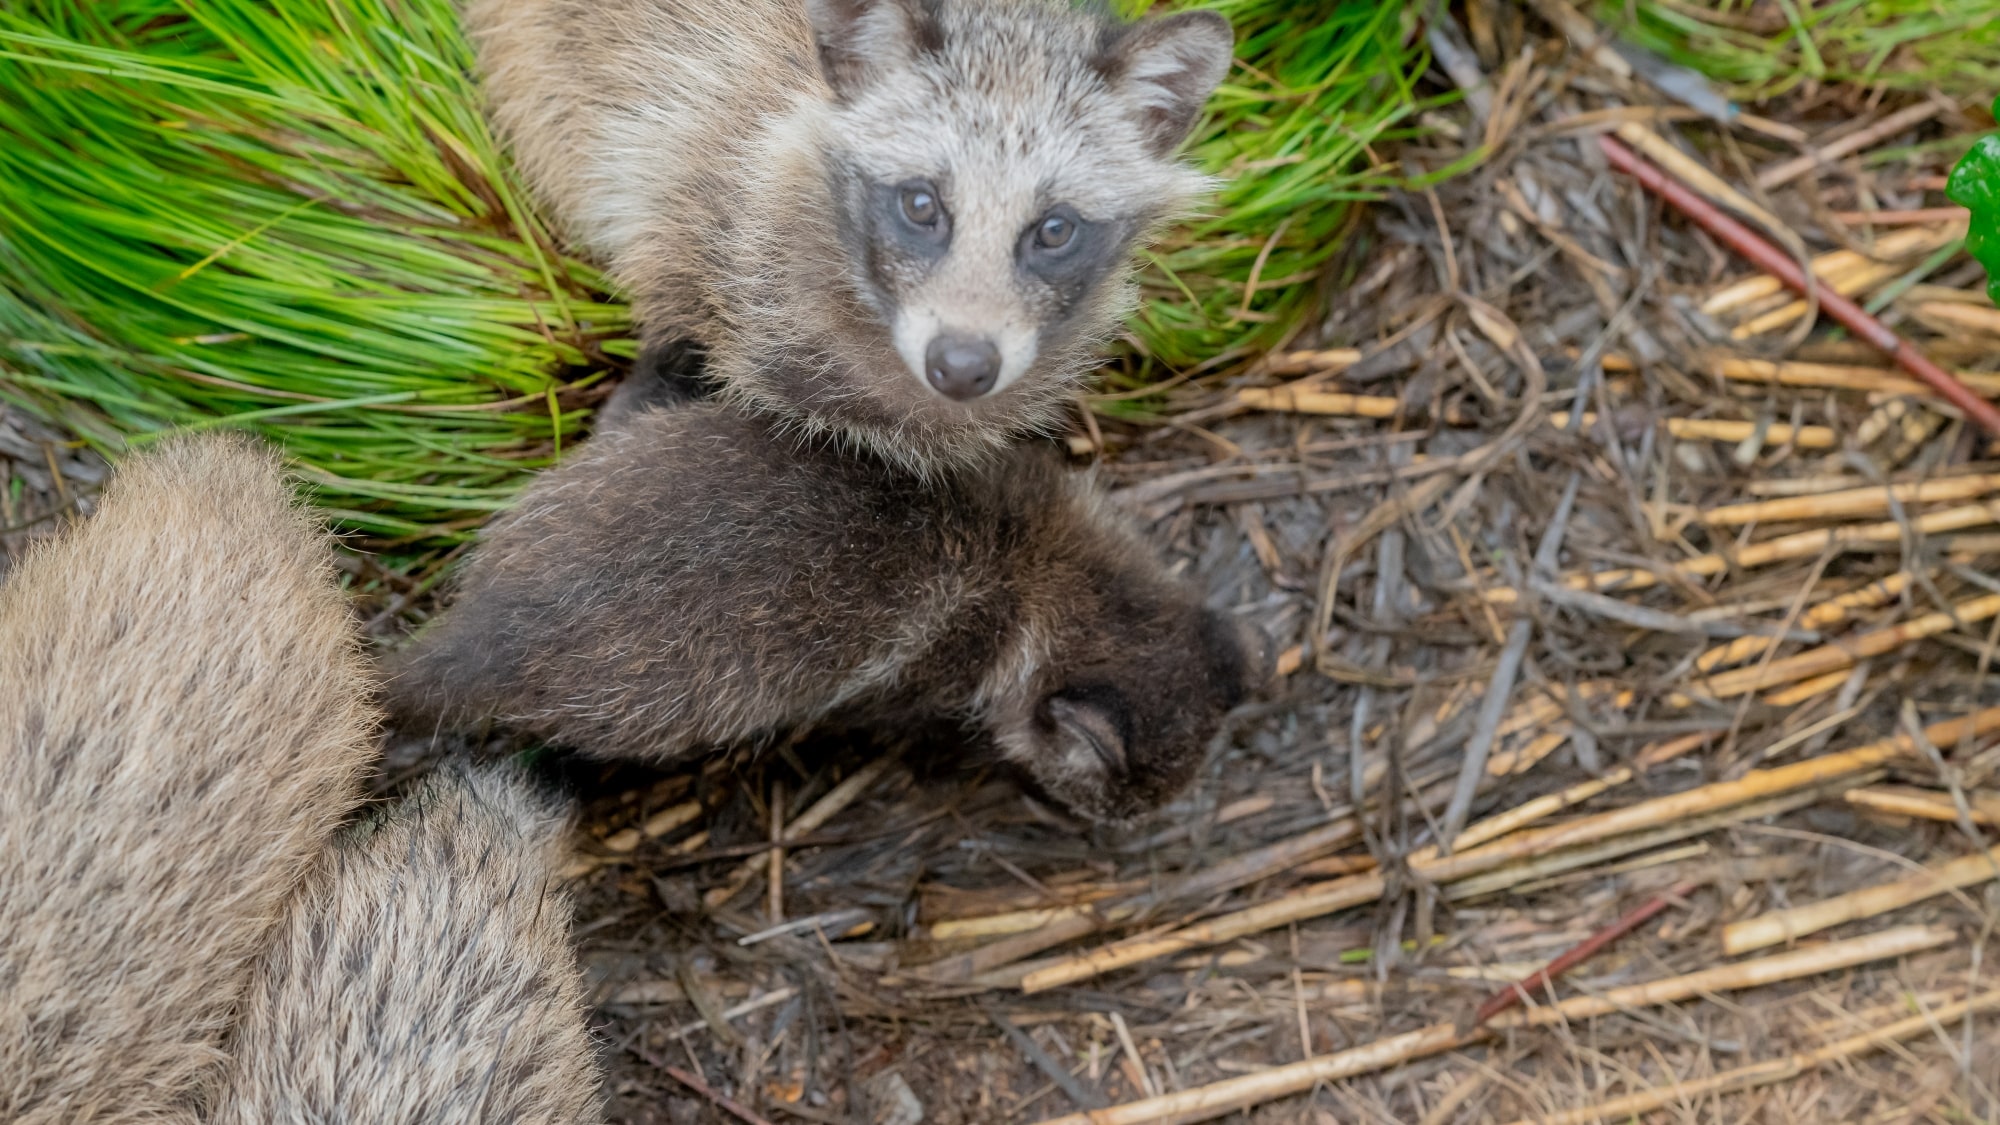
1083,251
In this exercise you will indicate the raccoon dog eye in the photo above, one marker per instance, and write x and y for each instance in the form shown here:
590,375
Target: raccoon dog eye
920,205
1054,232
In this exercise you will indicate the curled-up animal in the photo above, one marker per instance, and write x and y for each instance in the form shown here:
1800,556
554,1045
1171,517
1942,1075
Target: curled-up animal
698,577
184,720
424,974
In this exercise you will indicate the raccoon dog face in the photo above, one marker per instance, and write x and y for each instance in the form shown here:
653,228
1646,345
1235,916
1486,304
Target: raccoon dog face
990,165
1129,722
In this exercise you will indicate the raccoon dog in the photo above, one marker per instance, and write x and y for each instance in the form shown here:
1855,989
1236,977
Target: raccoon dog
692,578
909,222
183,722
424,976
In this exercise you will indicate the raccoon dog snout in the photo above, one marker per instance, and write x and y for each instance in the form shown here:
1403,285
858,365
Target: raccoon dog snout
961,367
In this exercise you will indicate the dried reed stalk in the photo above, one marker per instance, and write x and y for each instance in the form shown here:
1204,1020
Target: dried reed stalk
1720,429
1779,175
1323,361
1761,1074
1777,263
1294,401
1216,1099
1845,652
1833,376
1830,957
1524,989
1953,317
1830,268
627,841
1852,502
1849,285
1318,899
1899,218
1828,613
1924,804
1785,548
1780,926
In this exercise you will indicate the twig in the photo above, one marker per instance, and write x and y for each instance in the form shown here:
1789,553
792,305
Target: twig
1324,361
1843,377
1583,951
1774,261
1922,803
1847,651
1831,268
1828,613
1493,707
1898,218
1294,401
716,1097
1783,925
1722,429
1780,174
1082,1096
1804,544
1318,899
823,810
1829,957
1852,502
1759,1074
1216,1099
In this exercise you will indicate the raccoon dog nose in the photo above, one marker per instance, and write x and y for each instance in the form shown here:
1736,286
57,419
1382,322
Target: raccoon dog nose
962,367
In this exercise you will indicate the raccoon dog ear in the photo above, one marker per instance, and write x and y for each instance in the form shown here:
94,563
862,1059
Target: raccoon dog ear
1165,69
860,39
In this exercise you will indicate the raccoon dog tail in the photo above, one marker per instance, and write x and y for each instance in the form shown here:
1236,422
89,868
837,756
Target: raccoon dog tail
425,974
184,718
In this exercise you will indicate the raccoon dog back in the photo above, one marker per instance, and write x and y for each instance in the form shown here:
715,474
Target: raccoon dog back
694,579
907,221
424,976
183,720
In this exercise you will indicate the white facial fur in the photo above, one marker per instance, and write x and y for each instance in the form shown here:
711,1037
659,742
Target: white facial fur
1007,120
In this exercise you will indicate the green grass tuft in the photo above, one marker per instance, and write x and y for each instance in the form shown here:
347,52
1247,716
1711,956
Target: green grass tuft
1767,48
292,217
286,216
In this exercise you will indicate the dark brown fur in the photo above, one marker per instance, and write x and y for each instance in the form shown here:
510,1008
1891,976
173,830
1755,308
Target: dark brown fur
695,579
183,722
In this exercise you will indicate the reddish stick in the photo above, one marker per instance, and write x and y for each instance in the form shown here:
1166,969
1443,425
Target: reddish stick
1776,263
1580,952
721,1100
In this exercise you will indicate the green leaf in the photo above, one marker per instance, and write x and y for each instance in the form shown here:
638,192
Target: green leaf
1975,184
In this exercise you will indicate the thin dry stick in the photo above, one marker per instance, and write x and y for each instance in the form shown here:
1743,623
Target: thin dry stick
774,905
1579,953
823,810
1828,613
1696,174
716,1097
1835,376
1852,502
1780,926
1786,548
1781,174
627,841
1216,1099
1830,268
1295,401
1323,361
1898,218
1761,1074
1844,653
1830,957
1774,261
1493,707
1318,899
1898,800
1721,429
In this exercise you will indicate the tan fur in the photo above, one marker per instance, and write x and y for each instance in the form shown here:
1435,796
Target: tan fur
183,720
719,158
425,975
